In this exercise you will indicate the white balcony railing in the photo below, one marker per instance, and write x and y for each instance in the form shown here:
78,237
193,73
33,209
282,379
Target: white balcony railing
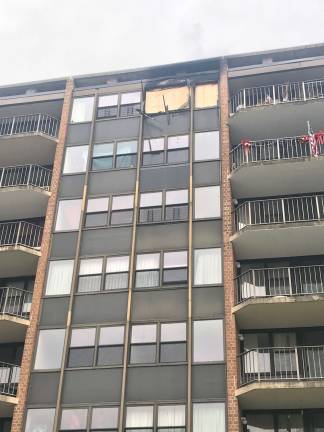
9,379
20,234
29,124
25,175
277,94
15,301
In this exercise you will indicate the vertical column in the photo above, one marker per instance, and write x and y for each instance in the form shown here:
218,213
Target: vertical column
31,335
233,422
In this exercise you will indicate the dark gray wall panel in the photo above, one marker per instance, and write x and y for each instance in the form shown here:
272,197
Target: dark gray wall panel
166,177
43,388
206,119
207,234
206,173
71,186
208,302
160,237
112,182
99,308
208,381
159,126
92,386
160,305
78,134
106,241
64,245
127,128
156,383
54,311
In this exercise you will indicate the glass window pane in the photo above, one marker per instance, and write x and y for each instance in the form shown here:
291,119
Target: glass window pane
75,159
260,422
208,417
111,335
82,109
97,205
173,352
153,144
123,202
126,147
100,150
151,199
144,333
180,141
208,341
143,354
108,100
83,337
148,261
207,202
104,418
139,417
59,277
206,95
175,259
207,145
80,357
40,420
89,283
171,415
110,355
74,419
117,264
130,98
49,349
90,266
173,332
68,215
207,266
176,197
116,281
104,163
121,217
175,276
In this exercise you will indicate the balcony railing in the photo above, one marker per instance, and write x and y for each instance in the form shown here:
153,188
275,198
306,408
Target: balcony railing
29,124
277,364
280,281
9,379
272,149
277,94
15,301
20,234
280,210
25,175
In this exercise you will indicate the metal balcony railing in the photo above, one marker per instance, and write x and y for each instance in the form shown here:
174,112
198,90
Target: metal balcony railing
279,210
29,124
272,149
280,281
20,234
282,363
15,301
25,175
9,378
277,94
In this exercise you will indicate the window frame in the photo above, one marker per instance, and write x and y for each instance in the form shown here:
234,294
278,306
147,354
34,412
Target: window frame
92,109
114,156
69,149
59,201
119,105
217,343
165,151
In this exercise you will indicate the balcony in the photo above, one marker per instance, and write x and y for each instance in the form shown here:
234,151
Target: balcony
280,297
28,138
24,191
279,166
282,377
286,106
9,380
19,248
279,227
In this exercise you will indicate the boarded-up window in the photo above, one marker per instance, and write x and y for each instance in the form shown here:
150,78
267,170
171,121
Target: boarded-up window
173,98
206,95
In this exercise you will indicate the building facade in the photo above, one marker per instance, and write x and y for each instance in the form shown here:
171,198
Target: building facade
161,248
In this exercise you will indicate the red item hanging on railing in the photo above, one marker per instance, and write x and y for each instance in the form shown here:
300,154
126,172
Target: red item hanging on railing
304,139
319,137
246,143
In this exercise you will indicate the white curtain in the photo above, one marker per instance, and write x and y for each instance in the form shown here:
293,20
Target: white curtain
209,417
40,420
148,261
208,341
207,266
172,416
74,419
207,202
139,417
75,159
59,277
82,109
90,266
104,418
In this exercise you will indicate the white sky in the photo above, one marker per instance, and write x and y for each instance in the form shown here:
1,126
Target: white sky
43,39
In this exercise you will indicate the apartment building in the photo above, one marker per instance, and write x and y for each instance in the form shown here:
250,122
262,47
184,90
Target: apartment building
161,248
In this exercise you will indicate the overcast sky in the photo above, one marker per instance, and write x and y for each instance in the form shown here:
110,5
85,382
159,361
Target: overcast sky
43,39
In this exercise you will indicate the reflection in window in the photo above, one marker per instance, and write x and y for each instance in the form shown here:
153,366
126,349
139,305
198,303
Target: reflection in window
207,202
208,341
207,266
117,269
90,275
102,158
49,349
206,145
208,417
143,344
82,109
82,347
75,159
74,419
111,346
147,270
206,95
59,277
40,420
68,215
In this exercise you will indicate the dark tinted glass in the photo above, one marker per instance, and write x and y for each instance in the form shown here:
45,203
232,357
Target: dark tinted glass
177,212
79,357
107,112
116,281
96,219
126,161
121,217
173,352
176,156
89,283
142,354
151,214
175,276
153,158
110,355
102,163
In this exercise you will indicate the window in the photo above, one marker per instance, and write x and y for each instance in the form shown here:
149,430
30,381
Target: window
117,269
172,418
82,109
173,346
74,419
208,417
166,99
122,154
49,349
153,151
151,207
176,205
143,344
206,95
139,418
103,157
107,106
208,341
176,151
97,212
207,266
207,202
82,347
172,205
59,277
75,159
90,272
111,346
130,104
40,420
147,270
104,419
175,267
122,210
126,154
68,215
124,105
206,145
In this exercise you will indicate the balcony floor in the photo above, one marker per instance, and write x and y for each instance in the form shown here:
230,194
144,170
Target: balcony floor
18,261
12,328
23,202
7,404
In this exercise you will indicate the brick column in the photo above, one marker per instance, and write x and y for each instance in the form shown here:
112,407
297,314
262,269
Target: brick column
26,365
233,419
